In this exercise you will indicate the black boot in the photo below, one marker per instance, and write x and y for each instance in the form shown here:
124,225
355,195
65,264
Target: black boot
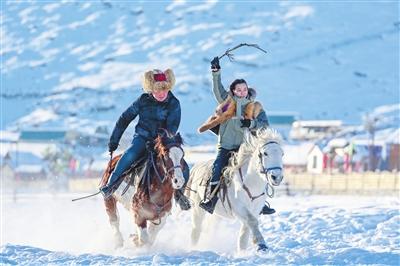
110,188
107,191
267,209
209,204
182,200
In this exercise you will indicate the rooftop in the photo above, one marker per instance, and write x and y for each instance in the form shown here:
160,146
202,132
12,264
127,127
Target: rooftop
318,123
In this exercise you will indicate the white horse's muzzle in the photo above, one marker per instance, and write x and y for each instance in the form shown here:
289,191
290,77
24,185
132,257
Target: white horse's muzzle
275,176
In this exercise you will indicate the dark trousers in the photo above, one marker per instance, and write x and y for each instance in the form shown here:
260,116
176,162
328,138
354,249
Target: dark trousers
131,155
220,162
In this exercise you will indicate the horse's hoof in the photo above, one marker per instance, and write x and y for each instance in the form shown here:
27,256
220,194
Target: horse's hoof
135,239
118,245
262,247
118,242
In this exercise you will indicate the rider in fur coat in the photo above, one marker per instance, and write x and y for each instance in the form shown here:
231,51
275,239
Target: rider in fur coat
157,109
248,114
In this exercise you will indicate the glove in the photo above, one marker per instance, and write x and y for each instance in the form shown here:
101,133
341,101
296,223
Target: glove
112,146
245,122
215,64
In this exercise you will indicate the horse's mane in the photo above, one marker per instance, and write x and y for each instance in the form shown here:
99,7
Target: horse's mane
250,144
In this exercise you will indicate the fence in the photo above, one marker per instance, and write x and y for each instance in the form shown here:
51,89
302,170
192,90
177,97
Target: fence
384,183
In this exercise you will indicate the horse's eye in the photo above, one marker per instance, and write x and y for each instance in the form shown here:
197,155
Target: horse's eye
265,153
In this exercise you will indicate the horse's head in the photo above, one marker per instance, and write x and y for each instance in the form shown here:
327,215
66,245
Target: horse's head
270,154
169,150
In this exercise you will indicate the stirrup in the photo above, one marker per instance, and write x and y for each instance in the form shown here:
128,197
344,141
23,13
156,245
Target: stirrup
107,191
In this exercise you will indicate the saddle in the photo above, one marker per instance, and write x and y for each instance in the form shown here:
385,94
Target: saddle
137,169
221,190
139,172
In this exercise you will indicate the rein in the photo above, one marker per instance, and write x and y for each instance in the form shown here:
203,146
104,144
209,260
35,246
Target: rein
263,169
252,198
269,189
153,163
167,171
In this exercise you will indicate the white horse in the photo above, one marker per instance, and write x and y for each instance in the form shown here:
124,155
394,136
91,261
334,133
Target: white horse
250,175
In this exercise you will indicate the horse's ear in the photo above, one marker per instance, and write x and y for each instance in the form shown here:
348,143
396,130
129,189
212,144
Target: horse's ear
178,138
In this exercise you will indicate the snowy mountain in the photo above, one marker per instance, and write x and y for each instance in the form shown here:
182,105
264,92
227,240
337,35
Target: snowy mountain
78,64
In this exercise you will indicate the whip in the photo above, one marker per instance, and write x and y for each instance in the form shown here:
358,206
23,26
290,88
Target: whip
98,192
231,56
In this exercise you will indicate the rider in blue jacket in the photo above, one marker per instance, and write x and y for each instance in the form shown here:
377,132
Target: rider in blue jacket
157,109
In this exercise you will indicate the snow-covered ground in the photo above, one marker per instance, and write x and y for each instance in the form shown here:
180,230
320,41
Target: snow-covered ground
42,229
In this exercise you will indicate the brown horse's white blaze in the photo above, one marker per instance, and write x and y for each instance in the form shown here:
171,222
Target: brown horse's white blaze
150,204
176,155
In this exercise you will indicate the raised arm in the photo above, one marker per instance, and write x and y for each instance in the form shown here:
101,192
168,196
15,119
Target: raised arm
219,91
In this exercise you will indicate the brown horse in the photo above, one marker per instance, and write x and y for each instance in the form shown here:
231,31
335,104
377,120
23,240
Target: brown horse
147,190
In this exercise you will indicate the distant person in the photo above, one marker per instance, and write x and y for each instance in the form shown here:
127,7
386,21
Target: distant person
157,109
230,132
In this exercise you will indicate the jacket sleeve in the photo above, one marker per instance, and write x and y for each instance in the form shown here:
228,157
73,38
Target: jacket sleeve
260,121
124,120
174,117
219,92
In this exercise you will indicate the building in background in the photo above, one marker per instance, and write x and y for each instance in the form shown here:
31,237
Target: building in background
313,130
282,121
316,160
295,156
23,166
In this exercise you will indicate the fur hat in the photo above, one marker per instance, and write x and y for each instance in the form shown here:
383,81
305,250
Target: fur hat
157,80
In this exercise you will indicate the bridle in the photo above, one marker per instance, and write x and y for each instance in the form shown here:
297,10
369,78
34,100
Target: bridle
263,169
269,189
169,170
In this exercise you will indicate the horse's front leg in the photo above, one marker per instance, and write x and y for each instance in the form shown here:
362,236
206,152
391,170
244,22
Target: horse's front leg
257,236
243,236
112,212
141,237
154,228
252,223
198,215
